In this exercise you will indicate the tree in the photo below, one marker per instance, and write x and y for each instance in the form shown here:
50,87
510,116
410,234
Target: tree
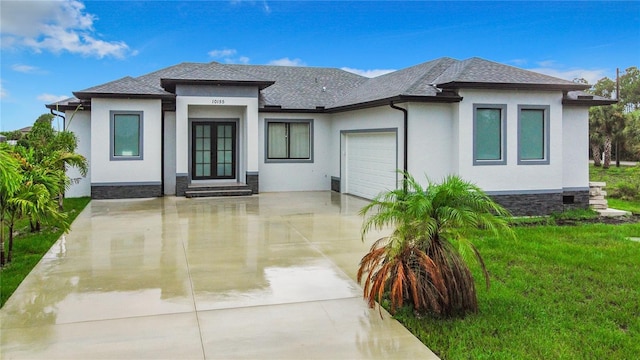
10,180
607,124
632,133
630,89
56,149
423,261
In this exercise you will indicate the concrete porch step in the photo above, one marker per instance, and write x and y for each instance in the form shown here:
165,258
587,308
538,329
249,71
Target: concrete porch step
218,193
217,190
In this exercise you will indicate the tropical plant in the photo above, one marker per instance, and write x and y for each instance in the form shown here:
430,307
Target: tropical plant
10,180
423,261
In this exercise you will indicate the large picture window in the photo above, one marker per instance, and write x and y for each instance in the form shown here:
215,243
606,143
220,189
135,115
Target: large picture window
533,135
489,134
126,135
289,140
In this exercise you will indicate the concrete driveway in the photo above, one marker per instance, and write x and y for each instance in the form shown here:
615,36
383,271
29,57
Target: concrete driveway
267,276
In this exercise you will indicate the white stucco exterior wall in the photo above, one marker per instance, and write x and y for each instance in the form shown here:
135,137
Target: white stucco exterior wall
512,177
430,139
169,153
575,129
297,176
106,171
80,124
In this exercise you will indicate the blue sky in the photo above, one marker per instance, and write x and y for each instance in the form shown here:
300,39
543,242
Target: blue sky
51,48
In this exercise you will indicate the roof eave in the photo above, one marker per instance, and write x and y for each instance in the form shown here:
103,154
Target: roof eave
511,86
90,95
69,106
277,109
396,99
170,84
588,102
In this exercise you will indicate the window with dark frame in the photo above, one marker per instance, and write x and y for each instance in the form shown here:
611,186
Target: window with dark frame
289,140
489,135
533,135
126,135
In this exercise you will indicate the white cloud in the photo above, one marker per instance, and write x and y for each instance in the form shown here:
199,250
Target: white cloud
265,5
27,69
591,75
55,26
3,92
50,98
287,62
223,53
228,55
368,73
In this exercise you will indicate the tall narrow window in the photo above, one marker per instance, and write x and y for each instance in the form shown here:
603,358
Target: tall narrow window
289,141
489,135
126,135
533,135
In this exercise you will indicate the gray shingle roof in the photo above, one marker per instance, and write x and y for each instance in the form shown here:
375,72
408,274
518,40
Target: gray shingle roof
412,81
309,88
303,87
153,78
476,71
125,86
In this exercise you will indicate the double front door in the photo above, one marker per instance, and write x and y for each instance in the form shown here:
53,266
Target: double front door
213,150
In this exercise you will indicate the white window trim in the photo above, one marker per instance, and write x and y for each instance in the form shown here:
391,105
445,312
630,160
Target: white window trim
266,141
547,132
503,135
112,156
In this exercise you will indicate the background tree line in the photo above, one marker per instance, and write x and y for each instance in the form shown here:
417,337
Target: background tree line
615,129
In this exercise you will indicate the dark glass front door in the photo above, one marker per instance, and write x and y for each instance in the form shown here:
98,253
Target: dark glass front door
213,150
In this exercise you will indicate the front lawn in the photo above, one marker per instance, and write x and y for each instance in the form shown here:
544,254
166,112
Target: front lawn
557,292
28,248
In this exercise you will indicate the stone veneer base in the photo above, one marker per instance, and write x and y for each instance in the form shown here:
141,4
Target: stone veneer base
253,182
543,203
125,191
182,182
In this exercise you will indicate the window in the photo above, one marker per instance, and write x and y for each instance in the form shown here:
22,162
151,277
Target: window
533,135
289,140
489,134
126,135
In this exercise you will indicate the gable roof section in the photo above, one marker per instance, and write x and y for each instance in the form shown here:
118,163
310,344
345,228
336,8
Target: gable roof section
482,74
127,87
214,73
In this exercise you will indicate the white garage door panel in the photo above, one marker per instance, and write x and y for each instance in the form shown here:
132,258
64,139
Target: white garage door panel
371,163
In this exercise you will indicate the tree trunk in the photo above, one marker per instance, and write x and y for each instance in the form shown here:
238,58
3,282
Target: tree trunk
61,202
607,152
10,250
1,242
595,152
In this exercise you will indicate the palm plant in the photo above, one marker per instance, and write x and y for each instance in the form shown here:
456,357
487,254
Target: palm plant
10,180
424,260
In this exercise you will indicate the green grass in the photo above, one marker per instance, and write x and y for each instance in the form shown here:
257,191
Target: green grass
622,182
556,293
28,248
627,205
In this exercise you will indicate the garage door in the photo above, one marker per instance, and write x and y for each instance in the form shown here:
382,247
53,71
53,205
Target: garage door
371,163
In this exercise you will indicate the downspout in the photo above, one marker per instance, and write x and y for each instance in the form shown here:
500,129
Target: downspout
406,143
162,150
64,119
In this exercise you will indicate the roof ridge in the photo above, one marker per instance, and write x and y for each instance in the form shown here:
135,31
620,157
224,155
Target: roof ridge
429,72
